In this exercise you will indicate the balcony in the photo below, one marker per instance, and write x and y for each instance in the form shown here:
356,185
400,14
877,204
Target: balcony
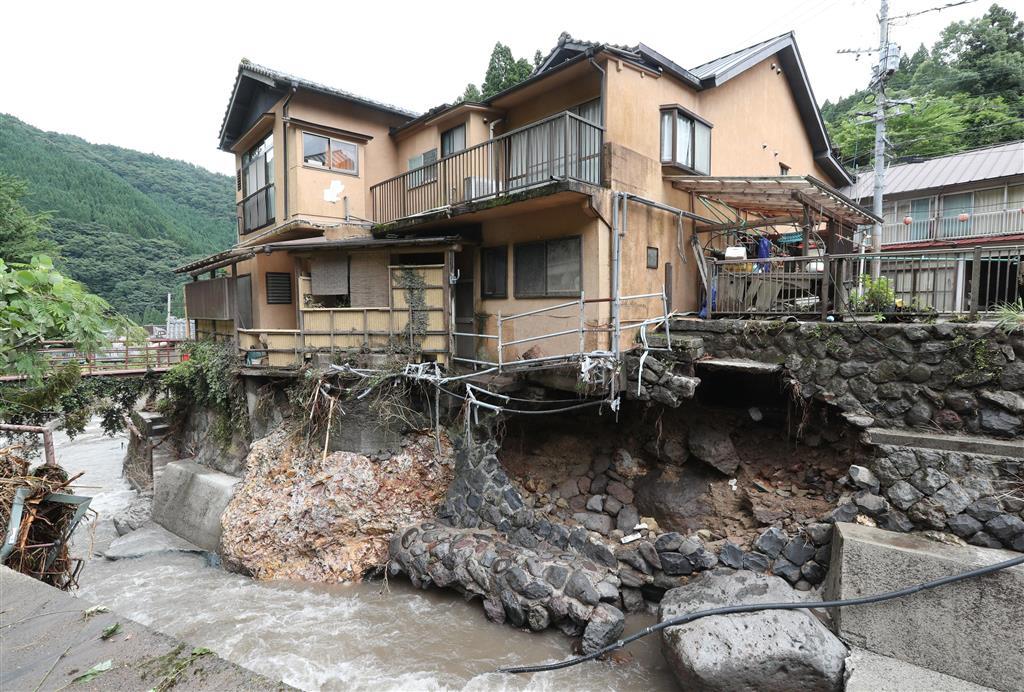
561,147
980,222
256,210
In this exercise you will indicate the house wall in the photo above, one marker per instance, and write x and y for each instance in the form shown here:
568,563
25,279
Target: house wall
266,316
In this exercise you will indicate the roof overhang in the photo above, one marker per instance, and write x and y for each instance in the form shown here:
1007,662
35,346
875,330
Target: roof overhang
778,196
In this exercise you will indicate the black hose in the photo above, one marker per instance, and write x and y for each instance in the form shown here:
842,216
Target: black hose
754,607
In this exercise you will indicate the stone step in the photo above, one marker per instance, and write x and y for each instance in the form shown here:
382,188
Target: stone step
970,629
970,444
159,430
867,671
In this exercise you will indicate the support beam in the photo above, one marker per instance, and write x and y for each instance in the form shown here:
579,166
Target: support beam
743,225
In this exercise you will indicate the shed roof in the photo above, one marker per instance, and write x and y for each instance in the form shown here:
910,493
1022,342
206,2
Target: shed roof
999,161
774,196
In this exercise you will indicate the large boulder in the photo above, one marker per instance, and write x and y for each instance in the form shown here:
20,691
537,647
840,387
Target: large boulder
766,651
714,447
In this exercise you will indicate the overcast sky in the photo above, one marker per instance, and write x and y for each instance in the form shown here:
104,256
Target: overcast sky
157,77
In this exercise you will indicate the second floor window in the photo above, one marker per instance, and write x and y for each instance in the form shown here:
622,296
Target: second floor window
257,177
685,141
327,152
427,172
453,140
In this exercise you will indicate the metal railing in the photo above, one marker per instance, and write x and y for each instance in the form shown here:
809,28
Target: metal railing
580,330
157,355
256,210
563,146
981,221
929,282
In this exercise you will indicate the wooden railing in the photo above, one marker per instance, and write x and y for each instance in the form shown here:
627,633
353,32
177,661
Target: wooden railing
923,282
563,146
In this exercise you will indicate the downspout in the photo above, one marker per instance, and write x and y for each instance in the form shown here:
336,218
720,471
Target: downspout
604,79
284,152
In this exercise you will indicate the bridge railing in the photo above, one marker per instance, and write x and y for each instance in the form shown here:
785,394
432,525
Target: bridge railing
118,359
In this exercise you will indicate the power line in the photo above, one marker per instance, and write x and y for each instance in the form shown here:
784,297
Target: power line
933,9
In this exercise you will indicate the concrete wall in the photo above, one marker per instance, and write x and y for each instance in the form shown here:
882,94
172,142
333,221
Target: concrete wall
188,500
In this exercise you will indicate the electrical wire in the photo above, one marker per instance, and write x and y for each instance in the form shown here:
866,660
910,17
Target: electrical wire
756,607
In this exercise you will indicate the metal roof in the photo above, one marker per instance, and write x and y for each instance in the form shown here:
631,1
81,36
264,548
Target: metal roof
774,195
999,161
722,65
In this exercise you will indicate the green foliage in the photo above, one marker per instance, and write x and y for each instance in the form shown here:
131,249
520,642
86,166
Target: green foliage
968,92
504,71
877,295
471,94
38,304
19,228
122,218
1010,316
208,379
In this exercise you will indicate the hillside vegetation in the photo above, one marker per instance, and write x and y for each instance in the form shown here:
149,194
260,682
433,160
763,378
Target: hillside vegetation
967,92
120,219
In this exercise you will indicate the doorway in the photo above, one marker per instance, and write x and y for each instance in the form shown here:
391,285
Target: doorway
465,346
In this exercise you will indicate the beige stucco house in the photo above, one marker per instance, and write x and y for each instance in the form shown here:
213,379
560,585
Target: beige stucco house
559,216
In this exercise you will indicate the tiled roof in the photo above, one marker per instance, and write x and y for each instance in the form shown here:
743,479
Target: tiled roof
999,161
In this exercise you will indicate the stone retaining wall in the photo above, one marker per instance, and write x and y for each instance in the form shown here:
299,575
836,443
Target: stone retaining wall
953,377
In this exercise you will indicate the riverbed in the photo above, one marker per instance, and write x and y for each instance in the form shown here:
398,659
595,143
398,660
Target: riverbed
324,636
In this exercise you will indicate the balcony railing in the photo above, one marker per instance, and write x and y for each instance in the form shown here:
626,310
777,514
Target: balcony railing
981,222
563,146
923,282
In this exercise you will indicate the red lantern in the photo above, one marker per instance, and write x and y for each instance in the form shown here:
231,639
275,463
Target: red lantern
963,218
907,220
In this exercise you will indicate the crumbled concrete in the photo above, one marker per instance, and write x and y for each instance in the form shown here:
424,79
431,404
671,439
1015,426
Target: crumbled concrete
149,539
970,629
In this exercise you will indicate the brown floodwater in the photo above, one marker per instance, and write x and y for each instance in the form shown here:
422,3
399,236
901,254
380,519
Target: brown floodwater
331,637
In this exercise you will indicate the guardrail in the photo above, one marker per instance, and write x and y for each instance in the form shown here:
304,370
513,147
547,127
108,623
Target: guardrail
563,146
927,282
979,222
118,359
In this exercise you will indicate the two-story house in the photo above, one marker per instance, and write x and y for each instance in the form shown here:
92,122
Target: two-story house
557,217
956,211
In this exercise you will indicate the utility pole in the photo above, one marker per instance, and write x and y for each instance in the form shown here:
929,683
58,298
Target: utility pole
879,89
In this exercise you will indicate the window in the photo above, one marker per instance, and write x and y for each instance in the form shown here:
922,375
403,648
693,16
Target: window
427,172
783,169
494,272
548,268
279,288
685,140
453,140
652,257
257,184
326,152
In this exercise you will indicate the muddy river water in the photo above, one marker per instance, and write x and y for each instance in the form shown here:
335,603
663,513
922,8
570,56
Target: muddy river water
327,637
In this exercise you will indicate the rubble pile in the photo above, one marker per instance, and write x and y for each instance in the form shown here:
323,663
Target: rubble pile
300,514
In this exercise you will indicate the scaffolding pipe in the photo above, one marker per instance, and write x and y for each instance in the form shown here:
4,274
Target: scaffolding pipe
49,452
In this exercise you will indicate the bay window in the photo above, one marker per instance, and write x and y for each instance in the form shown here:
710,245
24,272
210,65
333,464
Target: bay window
685,140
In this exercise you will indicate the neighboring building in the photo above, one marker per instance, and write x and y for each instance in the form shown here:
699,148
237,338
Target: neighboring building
958,203
971,198
364,225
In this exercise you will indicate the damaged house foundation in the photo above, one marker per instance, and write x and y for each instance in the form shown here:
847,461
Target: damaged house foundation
556,352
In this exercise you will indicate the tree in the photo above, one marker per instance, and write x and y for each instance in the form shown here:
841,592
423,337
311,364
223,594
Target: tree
472,94
504,71
19,228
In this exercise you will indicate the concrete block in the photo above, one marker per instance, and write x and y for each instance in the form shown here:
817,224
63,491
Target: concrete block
188,500
870,672
969,630
971,444
148,539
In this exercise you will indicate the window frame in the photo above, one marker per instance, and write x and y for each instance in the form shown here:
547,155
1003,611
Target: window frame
517,293
263,149
677,111
441,149
427,175
657,257
291,288
484,252
329,166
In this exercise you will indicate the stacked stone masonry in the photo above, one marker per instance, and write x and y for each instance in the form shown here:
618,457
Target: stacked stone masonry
948,376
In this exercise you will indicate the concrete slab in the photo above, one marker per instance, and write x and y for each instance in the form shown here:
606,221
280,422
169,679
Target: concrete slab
972,444
870,672
752,367
48,641
148,539
969,630
188,500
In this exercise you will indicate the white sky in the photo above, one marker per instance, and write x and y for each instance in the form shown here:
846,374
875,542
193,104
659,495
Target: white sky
157,77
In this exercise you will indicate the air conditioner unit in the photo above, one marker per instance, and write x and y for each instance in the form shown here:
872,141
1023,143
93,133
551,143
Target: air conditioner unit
475,187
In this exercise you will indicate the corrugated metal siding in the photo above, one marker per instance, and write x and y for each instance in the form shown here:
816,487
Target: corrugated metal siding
369,279
1000,161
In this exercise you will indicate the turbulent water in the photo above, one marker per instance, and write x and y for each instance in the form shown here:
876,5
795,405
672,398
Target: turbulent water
329,637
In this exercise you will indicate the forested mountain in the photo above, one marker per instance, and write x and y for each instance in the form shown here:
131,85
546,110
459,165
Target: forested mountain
121,219
967,91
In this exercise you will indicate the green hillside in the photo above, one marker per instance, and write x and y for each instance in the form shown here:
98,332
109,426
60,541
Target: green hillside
121,219
967,91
